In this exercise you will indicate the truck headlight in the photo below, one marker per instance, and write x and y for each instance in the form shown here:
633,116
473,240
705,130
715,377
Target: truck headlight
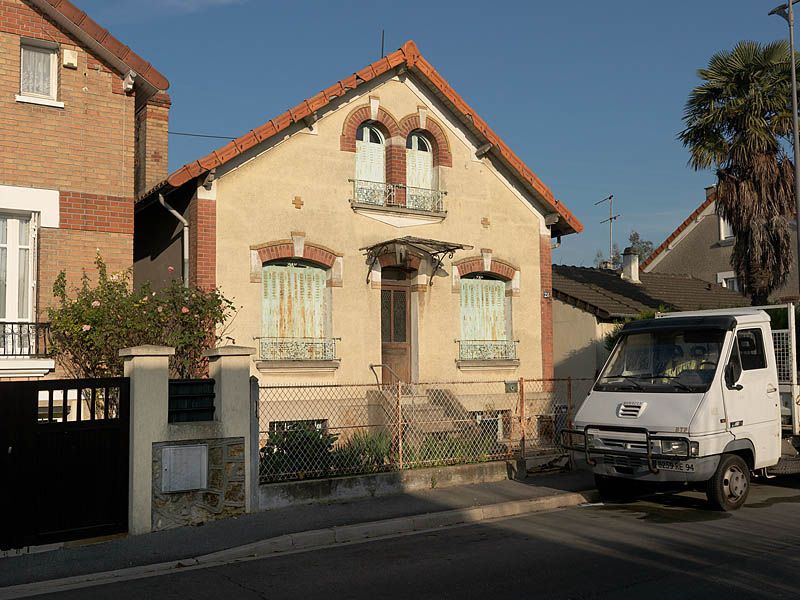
674,448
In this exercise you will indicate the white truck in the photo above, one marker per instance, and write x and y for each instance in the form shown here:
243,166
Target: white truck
703,398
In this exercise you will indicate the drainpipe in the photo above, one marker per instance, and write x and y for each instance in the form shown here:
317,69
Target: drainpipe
185,232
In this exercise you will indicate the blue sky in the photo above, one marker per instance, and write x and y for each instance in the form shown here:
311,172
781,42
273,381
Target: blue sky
589,93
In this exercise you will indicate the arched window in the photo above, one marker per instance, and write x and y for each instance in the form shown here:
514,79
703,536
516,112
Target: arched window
485,319
294,311
419,161
370,154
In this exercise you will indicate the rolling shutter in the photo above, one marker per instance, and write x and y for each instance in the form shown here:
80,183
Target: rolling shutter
293,303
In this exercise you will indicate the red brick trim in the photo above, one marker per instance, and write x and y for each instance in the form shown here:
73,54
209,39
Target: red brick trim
281,249
498,267
385,121
409,56
546,271
435,133
202,217
92,212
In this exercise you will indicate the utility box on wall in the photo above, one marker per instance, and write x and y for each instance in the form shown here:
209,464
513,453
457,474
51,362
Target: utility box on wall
184,468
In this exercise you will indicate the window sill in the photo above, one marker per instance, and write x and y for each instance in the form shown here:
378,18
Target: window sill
488,365
25,367
298,366
39,101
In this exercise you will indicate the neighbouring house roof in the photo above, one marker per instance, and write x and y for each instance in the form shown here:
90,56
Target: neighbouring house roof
407,57
711,197
604,293
97,38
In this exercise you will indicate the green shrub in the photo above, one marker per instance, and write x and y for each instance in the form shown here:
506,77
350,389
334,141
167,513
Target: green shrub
364,452
300,453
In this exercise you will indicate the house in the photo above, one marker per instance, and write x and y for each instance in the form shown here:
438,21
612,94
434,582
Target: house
589,303
702,245
83,126
379,222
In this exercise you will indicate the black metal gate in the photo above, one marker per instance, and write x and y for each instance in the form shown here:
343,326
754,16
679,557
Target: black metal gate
63,460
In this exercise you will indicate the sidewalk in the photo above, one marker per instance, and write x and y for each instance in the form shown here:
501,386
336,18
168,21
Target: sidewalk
213,538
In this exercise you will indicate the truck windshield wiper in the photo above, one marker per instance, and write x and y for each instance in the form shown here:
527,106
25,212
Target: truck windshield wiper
674,379
631,378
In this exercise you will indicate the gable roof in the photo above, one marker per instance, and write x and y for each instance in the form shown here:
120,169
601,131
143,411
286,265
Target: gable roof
711,197
605,294
120,56
408,57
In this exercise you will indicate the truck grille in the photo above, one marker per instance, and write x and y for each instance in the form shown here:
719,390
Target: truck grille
615,444
631,410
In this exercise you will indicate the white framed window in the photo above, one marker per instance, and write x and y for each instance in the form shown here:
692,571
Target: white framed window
729,280
370,154
17,260
419,162
38,70
725,230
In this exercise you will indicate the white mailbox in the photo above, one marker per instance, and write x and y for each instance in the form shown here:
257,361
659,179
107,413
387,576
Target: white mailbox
184,468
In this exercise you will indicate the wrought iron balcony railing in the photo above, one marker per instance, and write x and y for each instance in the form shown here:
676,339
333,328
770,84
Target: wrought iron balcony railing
487,349
397,195
24,340
297,348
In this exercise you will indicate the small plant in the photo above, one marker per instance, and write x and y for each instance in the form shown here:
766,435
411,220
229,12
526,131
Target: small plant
302,452
363,452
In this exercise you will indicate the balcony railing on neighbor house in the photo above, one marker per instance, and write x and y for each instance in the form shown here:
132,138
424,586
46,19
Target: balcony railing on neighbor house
297,348
397,195
487,349
24,340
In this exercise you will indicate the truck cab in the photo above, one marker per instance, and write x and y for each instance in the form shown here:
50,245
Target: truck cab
685,397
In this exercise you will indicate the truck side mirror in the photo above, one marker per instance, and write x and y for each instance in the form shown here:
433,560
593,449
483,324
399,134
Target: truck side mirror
732,373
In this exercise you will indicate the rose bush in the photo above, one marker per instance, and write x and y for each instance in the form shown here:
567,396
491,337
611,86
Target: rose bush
88,330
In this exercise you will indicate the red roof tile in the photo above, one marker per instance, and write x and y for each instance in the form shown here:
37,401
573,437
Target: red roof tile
103,37
409,55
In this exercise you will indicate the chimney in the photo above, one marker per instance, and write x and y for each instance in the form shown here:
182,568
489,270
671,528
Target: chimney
630,265
152,144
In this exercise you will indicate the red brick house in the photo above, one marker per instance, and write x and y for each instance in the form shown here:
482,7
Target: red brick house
83,129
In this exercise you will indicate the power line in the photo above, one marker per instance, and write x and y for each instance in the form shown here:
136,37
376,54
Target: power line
202,135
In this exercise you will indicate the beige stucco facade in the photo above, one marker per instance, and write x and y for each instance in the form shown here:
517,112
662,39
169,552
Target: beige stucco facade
300,184
578,347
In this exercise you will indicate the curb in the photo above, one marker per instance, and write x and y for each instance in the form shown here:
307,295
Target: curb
311,540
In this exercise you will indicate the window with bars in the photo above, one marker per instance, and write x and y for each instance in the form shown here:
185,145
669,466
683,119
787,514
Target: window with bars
294,313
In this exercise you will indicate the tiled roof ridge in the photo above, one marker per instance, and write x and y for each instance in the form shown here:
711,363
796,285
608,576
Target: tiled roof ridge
103,37
407,54
688,221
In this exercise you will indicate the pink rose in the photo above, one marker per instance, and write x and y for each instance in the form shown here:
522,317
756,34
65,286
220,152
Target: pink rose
185,310
86,327
96,303
171,269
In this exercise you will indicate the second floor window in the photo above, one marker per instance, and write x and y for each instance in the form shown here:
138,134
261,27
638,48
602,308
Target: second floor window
725,230
16,257
38,73
370,154
419,162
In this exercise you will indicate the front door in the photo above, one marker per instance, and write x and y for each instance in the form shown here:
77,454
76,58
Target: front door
396,331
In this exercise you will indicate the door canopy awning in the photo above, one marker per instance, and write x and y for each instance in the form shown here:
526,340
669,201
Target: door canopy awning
402,248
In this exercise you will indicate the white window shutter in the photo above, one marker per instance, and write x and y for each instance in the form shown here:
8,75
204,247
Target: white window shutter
419,169
370,162
293,302
483,315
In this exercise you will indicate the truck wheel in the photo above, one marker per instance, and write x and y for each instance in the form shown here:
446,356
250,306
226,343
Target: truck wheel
728,487
614,489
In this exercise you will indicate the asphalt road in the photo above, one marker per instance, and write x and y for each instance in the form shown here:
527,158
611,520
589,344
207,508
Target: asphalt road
666,546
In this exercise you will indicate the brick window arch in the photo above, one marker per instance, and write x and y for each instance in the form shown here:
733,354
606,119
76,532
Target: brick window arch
502,269
434,132
284,249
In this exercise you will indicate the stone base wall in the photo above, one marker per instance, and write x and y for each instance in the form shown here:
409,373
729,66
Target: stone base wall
224,497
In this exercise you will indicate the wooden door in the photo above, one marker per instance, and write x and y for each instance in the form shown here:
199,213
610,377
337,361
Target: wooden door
396,331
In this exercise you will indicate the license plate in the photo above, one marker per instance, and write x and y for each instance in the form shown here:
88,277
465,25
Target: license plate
673,465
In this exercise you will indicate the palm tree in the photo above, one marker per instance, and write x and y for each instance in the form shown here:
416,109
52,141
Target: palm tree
738,121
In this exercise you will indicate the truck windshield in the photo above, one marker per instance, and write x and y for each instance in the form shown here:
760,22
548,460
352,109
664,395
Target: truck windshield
679,360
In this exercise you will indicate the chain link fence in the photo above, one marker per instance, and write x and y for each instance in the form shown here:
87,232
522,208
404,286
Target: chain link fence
320,431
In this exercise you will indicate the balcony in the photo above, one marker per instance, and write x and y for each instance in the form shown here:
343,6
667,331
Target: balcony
416,205
24,340
297,354
487,354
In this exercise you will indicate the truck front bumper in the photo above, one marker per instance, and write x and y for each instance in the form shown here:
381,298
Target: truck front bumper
692,470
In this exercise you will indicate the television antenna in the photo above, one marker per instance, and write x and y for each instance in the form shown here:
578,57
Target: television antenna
610,220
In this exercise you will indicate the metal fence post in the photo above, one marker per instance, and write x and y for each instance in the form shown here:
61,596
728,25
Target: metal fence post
570,458
521,392
400,423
